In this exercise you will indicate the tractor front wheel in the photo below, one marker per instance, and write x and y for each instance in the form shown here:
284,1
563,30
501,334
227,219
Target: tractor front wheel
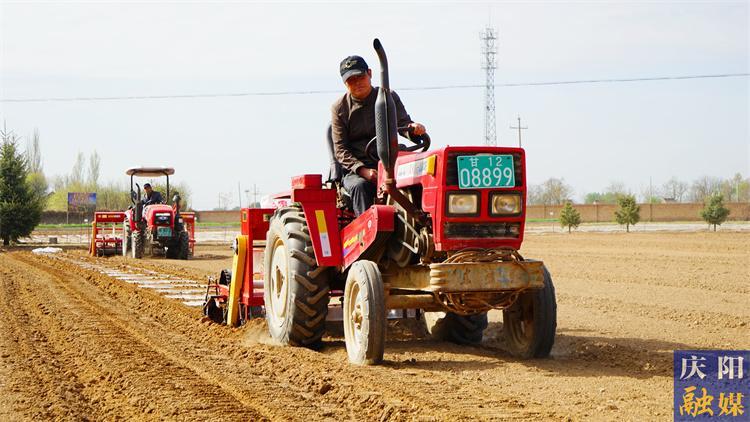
125,239
364,314
137,244
460,329
295,289
529,325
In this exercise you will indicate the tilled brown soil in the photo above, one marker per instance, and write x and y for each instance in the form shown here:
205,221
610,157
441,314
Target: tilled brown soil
75,344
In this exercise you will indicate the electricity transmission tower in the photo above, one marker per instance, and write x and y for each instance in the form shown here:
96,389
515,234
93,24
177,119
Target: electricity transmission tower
489,50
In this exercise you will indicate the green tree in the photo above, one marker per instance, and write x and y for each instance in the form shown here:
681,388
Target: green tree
569,216
629,212
715,212
20,208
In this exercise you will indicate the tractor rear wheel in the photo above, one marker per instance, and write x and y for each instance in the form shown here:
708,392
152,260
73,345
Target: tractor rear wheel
296,290
137,244
183,245
364,314
529,325
459,329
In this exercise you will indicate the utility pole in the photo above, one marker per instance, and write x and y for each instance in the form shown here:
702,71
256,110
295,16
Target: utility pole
519,127
239,194
489,51
255,194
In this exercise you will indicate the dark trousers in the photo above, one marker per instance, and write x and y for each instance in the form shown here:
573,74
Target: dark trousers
361,191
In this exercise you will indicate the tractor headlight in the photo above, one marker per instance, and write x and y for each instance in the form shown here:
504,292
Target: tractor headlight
463,203
505,204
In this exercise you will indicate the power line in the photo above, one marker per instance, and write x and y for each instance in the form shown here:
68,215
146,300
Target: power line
337,91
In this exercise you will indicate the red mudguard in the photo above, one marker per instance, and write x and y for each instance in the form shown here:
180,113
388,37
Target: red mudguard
319,205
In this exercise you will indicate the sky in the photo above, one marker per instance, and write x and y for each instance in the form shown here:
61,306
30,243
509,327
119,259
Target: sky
588,134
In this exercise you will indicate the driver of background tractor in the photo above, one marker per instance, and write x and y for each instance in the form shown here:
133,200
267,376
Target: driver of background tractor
152,196
353,126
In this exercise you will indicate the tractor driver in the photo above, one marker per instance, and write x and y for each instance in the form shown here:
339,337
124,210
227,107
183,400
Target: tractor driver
152,196
353,126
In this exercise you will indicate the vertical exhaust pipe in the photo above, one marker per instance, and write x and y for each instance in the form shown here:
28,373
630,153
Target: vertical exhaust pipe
385,114
386,133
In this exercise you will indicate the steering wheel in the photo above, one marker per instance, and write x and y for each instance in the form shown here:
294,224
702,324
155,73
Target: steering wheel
420,141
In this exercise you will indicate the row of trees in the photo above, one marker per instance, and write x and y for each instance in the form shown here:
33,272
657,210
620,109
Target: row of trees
555,191
84,176
629,212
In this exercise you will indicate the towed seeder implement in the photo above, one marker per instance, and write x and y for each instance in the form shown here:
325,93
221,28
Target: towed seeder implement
107,233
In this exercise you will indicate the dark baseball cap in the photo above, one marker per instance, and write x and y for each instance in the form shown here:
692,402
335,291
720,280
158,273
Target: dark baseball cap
351,66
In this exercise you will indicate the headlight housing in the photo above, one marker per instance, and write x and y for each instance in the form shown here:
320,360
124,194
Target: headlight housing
162,218
463,203
505,204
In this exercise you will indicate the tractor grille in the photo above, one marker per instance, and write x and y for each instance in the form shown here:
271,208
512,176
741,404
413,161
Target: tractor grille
451,176
482,230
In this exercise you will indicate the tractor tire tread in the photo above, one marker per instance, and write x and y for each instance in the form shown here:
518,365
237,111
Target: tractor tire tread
309,291
307,259
316,298
306,309
309,285
314,322
316,272
298,234
545,323
460,329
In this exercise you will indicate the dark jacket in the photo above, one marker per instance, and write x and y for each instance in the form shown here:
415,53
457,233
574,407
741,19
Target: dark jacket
154,198
353,126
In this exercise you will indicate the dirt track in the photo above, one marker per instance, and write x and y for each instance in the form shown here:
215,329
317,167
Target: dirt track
75,344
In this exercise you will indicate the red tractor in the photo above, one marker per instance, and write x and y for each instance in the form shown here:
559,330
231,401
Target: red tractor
158,228
442,238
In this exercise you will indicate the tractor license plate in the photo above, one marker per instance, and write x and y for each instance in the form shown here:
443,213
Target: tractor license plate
164,231
486,171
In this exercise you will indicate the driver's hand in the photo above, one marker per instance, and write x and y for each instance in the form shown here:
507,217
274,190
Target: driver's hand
371,175
417,128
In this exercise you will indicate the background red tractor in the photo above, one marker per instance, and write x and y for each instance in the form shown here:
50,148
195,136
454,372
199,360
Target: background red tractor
442,239
156,229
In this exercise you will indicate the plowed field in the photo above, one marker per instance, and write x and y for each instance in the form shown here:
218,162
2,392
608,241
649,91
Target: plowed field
76,344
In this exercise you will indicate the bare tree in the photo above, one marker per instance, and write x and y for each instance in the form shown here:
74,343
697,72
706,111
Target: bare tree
704,187
617,189
94,164
77,173
34,153
649,195
735,189
224,198
534,195
674,189
554,191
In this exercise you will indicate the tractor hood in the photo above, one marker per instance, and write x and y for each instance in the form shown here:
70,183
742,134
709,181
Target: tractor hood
150,210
